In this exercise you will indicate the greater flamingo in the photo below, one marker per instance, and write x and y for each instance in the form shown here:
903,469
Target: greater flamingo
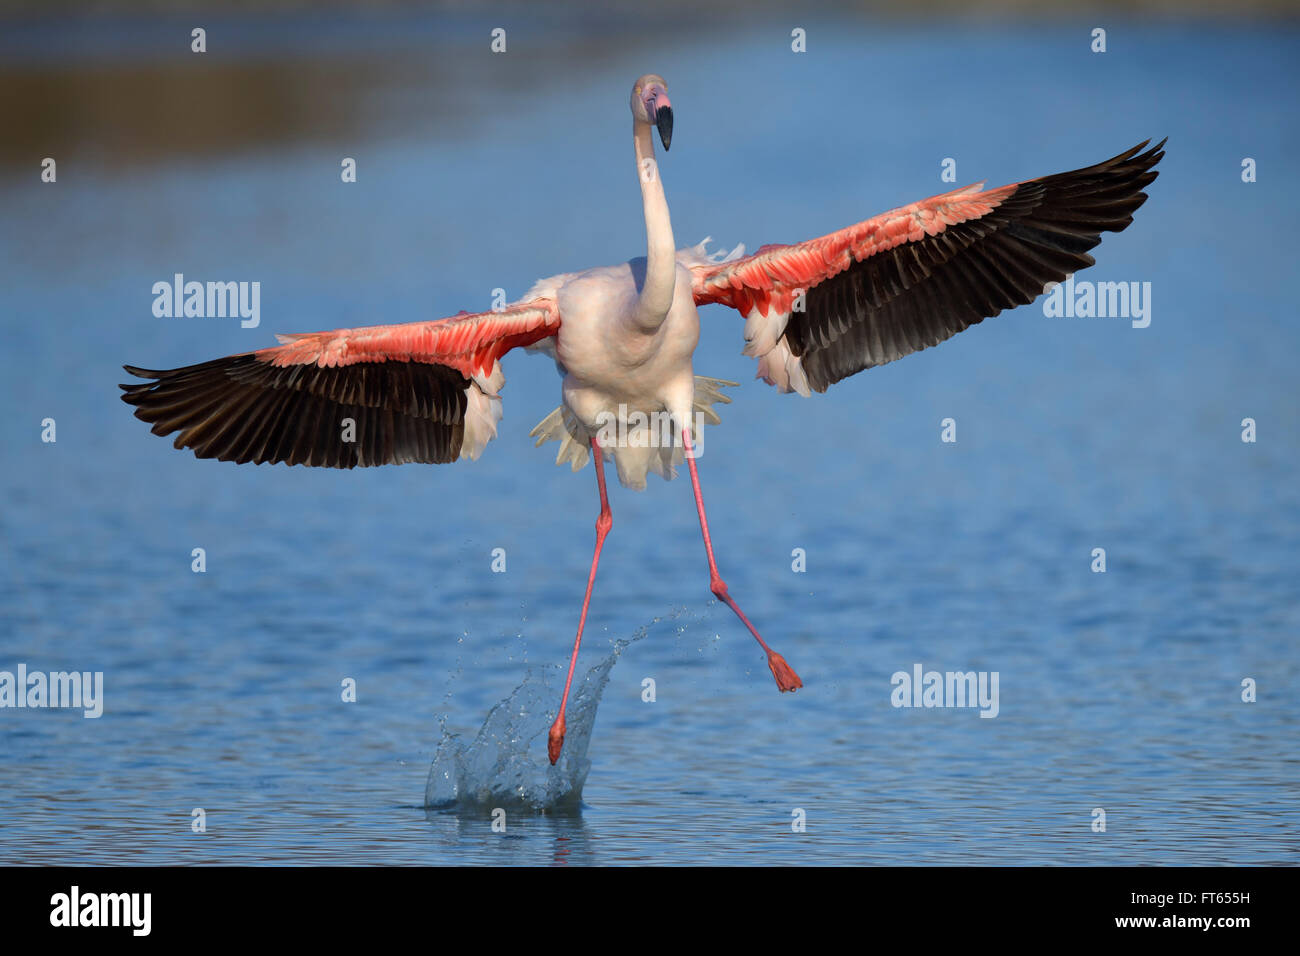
623,337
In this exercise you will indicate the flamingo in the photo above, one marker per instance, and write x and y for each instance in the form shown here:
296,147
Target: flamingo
622,338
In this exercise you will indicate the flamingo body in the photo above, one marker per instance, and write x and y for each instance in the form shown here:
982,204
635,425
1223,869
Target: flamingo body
612,374
623,338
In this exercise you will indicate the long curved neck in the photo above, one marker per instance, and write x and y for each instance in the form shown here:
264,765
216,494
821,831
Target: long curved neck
661,253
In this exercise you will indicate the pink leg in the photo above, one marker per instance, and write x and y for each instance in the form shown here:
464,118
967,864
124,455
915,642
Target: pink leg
786,678
604,522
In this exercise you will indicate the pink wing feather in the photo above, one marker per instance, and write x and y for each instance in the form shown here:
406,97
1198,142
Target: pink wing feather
471,343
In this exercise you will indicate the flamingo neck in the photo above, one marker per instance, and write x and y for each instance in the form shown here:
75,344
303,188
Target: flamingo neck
661,252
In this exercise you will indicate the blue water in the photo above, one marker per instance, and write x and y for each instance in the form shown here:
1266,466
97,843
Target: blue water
1119,691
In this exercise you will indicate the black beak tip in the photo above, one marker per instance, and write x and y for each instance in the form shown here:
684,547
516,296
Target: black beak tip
664,121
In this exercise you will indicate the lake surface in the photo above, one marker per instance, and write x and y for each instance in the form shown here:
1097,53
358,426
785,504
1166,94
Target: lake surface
1120,691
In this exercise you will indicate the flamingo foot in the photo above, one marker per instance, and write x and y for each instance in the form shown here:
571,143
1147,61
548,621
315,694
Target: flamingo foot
555,740
786,678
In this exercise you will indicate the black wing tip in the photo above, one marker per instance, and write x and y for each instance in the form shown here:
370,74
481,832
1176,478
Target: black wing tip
1144,161
243,409
160,375
1152,155
1132,162
142,373
131,389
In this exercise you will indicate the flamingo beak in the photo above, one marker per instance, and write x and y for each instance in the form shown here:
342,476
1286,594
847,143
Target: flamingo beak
658,106
664,121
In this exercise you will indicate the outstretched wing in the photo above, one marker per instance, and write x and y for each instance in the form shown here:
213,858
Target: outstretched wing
917,275
388,394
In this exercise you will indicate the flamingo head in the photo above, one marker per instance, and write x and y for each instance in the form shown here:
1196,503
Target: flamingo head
650,106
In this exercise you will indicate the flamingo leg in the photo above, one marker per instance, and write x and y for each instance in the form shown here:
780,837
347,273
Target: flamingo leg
605,521
786,678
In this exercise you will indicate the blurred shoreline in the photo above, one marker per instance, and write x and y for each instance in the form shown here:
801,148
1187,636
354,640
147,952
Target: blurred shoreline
116,80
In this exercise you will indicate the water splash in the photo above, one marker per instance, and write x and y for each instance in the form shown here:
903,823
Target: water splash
506,764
